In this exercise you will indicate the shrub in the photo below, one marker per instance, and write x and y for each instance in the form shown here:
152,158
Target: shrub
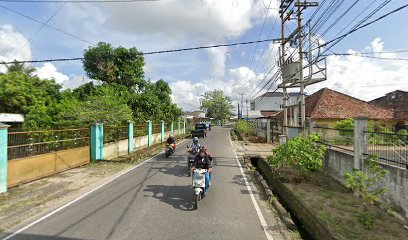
302,153
243,127
367,184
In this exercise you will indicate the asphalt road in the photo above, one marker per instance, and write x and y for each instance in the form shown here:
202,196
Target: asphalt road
154,201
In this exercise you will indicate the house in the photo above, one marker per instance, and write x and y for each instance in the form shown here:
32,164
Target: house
325,107
398,102
272,101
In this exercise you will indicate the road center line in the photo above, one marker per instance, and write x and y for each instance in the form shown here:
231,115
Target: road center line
254,202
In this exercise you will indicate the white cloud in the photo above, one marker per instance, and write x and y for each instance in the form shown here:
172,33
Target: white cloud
49,71
365,78
13,45
187,94
174,19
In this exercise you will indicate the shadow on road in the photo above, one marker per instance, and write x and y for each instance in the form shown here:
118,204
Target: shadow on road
180,197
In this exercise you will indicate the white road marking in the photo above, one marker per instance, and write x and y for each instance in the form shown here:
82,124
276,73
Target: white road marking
79,198
254,202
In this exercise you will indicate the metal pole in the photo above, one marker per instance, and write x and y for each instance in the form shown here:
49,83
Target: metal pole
282,62
301,80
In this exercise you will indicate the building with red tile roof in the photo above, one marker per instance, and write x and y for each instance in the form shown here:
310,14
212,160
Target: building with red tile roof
327,106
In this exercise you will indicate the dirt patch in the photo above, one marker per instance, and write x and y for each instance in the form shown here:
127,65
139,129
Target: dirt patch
28,200
339,208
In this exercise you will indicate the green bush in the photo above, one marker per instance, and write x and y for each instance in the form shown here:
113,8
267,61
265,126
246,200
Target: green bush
243,127
367,184
302,153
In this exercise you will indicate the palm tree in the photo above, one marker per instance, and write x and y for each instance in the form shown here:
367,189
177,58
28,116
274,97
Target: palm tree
19,67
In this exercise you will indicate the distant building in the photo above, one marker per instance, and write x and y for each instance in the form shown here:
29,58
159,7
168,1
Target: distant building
327,106
398,102
272,101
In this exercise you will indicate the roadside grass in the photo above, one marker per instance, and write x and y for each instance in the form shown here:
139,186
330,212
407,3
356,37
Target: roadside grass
340,209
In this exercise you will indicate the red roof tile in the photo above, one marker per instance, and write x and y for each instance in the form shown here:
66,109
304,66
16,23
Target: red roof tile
330,104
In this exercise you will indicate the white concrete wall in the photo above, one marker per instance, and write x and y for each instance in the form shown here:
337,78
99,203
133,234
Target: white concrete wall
113,150
337,163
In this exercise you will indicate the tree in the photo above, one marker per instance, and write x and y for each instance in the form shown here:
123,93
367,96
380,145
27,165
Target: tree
106,106
154,103
216,104
19,67
19,92
115,65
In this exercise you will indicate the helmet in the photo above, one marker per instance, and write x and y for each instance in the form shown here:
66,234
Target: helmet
171,135
195,140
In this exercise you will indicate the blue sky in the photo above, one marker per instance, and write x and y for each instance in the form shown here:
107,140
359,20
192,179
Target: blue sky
173,24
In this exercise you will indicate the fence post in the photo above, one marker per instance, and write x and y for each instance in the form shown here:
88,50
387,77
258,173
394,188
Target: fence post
162,131
130,138
3,157
172,127
178,128
184,126
97,142
360,141
268,130
149,133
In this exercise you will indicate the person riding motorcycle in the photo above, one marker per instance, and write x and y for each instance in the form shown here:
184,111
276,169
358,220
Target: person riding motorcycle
195,147
171,142
203,161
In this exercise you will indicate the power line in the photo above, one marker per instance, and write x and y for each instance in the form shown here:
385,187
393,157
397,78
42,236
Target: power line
41,27
362,26
45,24
147,53
365,56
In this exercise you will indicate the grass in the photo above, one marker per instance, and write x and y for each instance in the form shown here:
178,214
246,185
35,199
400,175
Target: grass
342,211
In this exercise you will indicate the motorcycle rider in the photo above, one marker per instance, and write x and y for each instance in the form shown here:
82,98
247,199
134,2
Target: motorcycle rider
205,148
170,141
195,146
203,161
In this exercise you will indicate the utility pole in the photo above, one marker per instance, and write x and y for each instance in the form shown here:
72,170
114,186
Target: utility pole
238,112
242,102
247,110
301,80
282,62
292,71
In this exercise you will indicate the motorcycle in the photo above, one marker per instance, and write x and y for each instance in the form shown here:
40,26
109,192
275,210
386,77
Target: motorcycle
170,148
198,185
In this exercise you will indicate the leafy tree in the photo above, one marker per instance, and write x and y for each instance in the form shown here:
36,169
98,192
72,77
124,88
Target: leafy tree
19,92
155,103
20,68
216,104
115,65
